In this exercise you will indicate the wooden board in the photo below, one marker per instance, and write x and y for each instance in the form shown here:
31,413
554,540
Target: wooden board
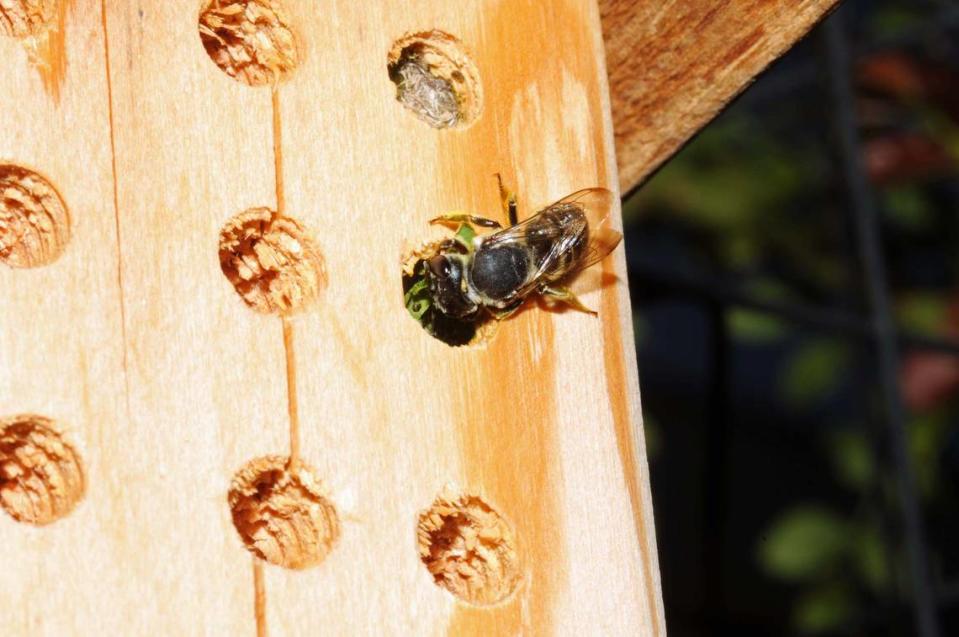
674,64
166,383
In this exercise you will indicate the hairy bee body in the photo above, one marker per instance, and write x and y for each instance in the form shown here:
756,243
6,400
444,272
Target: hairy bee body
498,271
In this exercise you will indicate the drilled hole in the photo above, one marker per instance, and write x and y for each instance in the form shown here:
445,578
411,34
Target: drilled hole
41,477
282,514
436,79
271,261
250,40
475,332
469,549
419,303
34,223
22,18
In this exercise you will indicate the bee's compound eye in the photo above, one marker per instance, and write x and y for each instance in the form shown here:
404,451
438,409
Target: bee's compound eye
440,266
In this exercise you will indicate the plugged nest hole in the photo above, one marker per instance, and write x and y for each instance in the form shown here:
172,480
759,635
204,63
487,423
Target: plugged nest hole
436,79
271,260
469,549
23,18
41,476
282,514
250,40
34,223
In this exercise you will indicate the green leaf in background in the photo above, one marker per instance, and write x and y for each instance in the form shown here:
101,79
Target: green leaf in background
909,207
756,327
852,459
926,439
704,186
869,554
738,195
922,312
804,543
890,21
768,289
940,127
823,609
813,372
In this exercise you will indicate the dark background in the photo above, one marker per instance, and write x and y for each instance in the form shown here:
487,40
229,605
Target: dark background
795,281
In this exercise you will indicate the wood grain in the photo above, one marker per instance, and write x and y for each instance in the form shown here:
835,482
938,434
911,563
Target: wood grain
167,383
674,64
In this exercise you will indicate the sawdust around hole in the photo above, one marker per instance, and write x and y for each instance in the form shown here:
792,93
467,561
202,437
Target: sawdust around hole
282,514
250,40
469,549
41,475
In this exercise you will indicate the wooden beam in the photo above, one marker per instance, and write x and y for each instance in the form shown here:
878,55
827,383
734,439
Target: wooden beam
248,432
674,64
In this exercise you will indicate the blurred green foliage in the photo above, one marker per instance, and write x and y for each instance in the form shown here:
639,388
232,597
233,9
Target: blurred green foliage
927,433
751,326
729,178
852,459
805,543
814,371
738,193
836,559
908,207
756,201
922,311
822,609
889,21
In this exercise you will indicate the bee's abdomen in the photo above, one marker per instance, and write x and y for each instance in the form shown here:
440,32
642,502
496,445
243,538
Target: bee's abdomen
499,271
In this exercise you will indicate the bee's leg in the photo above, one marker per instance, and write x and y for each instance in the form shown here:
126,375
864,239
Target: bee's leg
502,315
508,200
457,218
450,245
565,295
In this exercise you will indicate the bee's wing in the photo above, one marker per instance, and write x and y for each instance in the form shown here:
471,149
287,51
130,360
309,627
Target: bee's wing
596,204
601,243
517,233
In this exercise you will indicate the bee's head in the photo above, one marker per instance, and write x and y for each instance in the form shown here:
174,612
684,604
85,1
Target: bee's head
448,286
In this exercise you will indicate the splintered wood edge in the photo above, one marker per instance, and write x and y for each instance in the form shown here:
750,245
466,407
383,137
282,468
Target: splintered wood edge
673,65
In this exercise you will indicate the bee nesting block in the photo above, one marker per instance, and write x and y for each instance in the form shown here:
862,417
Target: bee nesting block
34,223
231,289
41,478
469,549
436,79
250,40
271,261
281,513
22,18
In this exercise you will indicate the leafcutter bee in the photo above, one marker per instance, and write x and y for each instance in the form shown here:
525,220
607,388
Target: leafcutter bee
471,277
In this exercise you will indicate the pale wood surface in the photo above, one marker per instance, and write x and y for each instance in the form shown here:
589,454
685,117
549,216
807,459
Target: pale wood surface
166,383
674,64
